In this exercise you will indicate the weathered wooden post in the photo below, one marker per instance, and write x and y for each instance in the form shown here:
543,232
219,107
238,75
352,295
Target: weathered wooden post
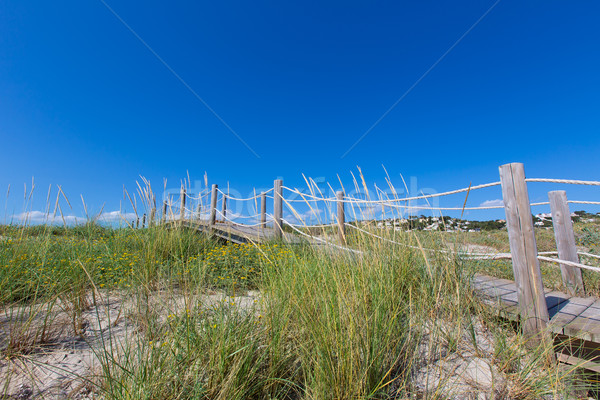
152,211
199,210
277,209
213,205
263,210
182,206
341,217
523,248
137,222
164,212
224,208
144,221
565,241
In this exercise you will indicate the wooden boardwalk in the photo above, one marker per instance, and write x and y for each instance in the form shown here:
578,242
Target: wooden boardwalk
577,317
575,321
236,233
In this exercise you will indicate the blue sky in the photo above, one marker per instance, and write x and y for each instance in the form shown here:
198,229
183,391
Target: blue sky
85,104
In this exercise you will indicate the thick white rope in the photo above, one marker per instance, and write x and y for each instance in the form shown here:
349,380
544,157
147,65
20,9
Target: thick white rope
498,256
321,240
543,203
404,206
257,196
439,208
387,203
306,195
236,216
237,223
567,181
391,241
246,225
306,200
569,263
199,197
427,196
581,253
474,256
313,226
354,200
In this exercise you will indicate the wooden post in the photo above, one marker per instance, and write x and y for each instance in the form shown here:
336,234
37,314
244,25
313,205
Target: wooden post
182,206
224,208
199,210
277,208
565,241
341,217
164,212
144,221
523,248
263,209
213,205
137,222
152,211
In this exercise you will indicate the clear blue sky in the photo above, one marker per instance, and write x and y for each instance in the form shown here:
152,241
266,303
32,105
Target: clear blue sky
85,104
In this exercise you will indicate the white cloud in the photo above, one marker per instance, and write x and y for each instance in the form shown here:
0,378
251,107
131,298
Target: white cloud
412,210
39,217
288,217
492,203
315,212
113,216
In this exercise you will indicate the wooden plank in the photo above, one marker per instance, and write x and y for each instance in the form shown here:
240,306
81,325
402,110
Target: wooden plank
483,281
565,241
501,294
483,278
511,298
277,208
563,314
587,325
579,362
164,212
499,282
554,299
492,291
341,217
523,248
582,353
503,309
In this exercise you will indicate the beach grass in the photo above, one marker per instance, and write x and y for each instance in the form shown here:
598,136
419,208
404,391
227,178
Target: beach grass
210,320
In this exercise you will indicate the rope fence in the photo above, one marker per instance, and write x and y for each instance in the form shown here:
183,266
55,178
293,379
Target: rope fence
256,196
569,263
322,240
564,181
514,199
323,208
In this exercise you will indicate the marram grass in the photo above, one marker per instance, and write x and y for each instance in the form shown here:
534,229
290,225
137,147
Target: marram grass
320,324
